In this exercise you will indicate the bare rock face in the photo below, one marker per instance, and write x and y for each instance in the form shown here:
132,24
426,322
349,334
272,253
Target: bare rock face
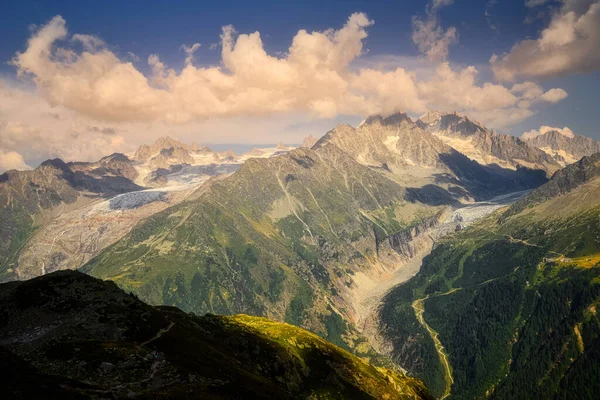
485,146
419,158
394,141
565,149
171,156
145,152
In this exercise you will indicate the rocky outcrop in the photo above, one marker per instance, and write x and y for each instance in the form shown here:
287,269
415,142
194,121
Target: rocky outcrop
403,242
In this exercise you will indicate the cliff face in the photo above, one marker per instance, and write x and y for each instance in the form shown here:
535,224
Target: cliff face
404,241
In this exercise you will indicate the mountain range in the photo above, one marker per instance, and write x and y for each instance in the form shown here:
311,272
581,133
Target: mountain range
366,236
565,149
485,146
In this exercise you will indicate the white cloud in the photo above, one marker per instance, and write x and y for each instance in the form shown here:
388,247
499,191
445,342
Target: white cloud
554,95
431,39
12,160
544,129
190,50
92,102
532,92
37,131
437,4
568,45
535,3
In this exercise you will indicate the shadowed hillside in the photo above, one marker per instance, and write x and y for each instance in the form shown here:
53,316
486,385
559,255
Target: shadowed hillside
67,335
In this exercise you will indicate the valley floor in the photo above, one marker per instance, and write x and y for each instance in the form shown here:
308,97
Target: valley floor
369,292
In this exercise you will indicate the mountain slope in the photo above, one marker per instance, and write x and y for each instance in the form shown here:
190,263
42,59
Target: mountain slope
507,307
95,341
565,149
563,181
288,248
29,198
298,237
484,146
415,157
113,165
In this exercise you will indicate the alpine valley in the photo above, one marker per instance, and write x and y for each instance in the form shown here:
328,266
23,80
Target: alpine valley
399,258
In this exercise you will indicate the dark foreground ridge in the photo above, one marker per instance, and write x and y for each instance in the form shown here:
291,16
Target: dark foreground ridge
67,335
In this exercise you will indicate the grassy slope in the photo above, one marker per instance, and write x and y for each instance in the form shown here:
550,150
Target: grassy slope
514,304
279,238
111,344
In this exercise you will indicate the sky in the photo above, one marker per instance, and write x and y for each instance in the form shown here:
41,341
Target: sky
82,79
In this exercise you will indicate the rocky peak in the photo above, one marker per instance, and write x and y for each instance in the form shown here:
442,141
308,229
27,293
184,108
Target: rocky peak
449,124
394,119
145,152
171,156
309,141
166,142
115,157
196,146
431,117
56,163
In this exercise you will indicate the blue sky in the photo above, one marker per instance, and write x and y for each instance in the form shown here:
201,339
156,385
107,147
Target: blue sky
146,27
484,28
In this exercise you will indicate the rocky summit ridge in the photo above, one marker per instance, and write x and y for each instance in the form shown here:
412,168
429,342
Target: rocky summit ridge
484,145
565,149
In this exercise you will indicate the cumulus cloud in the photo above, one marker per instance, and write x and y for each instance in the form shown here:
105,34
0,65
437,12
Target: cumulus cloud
12,160
431,39
323,74
34,129
568,45
544,129
532,92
